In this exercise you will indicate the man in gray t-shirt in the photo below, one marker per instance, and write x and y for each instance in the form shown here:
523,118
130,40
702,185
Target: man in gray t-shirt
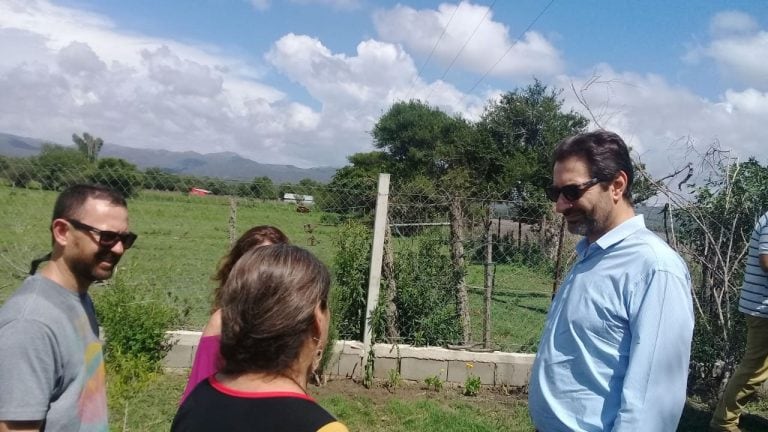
51,362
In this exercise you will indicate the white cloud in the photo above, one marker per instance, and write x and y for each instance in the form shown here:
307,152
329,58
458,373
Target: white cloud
738,47
70,71
336,4
732,22
657,118
492,42
750,102
743,57
355,90
78,72
181,76
260,5
65,71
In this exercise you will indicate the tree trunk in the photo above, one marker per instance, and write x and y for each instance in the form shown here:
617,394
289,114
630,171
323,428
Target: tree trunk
457,257
489,272
388,271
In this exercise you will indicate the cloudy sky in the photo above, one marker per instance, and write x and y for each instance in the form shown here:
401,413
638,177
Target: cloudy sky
303,81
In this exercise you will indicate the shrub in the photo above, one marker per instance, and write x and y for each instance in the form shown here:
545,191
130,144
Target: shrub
433,383
351,268
472,383
426,306
134,325
394,380
507,250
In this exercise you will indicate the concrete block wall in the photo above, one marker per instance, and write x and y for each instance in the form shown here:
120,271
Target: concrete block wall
413,363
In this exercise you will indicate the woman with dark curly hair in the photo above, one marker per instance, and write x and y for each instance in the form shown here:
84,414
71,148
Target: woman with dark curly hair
275,317
207,361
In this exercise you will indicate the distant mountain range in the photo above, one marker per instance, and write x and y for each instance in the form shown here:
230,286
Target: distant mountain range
225,165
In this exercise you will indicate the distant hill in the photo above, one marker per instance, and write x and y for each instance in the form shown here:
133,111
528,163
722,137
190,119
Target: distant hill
654,216
224,165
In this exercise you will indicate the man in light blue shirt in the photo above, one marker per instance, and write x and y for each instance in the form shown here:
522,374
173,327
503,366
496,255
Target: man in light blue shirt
615,348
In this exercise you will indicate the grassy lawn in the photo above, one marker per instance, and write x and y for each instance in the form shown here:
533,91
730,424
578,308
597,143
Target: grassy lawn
408,408
181,239
519,306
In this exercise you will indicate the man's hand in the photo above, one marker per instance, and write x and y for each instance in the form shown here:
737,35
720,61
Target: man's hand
764,262
20,426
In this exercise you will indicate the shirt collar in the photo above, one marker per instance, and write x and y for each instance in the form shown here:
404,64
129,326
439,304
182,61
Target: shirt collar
617,234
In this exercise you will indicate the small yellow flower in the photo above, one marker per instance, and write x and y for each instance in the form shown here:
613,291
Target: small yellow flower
470,365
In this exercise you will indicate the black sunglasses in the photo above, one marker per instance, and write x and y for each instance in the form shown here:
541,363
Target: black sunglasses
107,239
571,192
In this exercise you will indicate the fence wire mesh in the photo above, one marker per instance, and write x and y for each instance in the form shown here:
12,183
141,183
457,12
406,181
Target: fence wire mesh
438,244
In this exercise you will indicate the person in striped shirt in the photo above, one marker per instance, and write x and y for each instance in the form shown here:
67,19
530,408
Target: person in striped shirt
753,369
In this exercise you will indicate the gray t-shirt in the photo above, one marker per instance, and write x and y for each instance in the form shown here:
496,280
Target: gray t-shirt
51,361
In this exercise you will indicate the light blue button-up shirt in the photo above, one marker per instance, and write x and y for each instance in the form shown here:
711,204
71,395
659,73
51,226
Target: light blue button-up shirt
615,348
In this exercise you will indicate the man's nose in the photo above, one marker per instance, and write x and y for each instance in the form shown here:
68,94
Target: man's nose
562,204
118,248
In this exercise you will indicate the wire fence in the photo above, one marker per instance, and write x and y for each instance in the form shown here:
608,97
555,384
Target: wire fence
462,271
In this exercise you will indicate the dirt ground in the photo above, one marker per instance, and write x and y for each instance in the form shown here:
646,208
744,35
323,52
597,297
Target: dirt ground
380,393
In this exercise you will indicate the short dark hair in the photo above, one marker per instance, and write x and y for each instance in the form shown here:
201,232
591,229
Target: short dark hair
605,153
255,236
268,305
72,199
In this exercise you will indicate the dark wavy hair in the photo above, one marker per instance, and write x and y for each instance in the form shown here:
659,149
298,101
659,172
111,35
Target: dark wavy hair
256,236
268,305
605,153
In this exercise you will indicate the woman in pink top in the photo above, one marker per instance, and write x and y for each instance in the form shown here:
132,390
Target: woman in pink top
207,359
275,318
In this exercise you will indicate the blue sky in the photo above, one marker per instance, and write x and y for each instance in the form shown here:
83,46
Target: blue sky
303,81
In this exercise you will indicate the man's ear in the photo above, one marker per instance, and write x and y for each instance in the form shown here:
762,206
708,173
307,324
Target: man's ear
619,185
60,231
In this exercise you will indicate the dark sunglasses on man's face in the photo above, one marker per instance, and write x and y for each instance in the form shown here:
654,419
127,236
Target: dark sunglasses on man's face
106,239
571,192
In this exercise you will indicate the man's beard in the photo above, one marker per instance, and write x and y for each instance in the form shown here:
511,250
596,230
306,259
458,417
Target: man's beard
92,271
583,226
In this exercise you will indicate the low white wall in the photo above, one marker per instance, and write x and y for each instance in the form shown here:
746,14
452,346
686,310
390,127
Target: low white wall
414,363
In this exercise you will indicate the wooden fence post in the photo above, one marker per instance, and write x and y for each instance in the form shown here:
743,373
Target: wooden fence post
377,254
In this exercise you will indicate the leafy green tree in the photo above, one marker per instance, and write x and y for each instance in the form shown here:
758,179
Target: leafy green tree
18,171
161,179
714,231
217,186
117,174
60,167
524,126
423,142
263,188
88,145
642,187
353,187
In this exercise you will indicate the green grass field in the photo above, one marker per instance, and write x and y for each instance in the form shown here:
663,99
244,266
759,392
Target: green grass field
181,241
410,408
182,238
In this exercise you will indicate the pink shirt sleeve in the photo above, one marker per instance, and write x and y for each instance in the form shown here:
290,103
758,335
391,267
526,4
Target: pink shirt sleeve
205,364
